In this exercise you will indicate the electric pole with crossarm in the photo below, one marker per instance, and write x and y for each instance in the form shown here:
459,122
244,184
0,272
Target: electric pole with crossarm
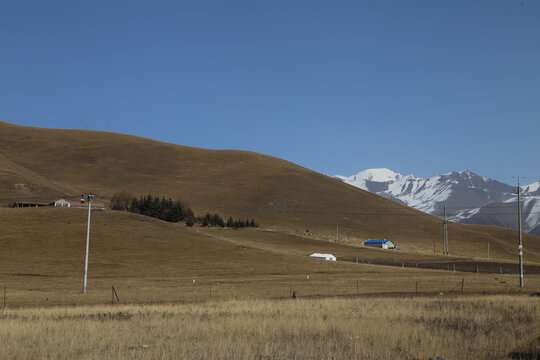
90,198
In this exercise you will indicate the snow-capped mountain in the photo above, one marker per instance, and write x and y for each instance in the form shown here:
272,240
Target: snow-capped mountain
469,198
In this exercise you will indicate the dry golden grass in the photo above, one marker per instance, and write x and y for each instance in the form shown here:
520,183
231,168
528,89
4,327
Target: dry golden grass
489,327
148,260
37,162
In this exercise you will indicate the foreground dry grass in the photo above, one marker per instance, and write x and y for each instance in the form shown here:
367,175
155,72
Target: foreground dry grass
489,327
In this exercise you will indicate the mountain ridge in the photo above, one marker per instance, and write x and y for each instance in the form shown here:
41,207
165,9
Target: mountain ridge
469,198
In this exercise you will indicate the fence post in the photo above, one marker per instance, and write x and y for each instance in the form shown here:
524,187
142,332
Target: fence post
5,296
210,291
462,281
417,287
113,290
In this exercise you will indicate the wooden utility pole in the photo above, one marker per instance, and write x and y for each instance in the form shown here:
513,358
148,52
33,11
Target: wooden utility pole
445,233
520,248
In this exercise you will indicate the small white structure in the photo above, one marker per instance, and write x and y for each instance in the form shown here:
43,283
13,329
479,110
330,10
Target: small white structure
329,257
62,203
383,244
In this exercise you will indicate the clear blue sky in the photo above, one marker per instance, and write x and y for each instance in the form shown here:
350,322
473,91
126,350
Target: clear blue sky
423,87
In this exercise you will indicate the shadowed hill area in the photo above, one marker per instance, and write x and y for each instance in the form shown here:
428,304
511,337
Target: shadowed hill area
38,163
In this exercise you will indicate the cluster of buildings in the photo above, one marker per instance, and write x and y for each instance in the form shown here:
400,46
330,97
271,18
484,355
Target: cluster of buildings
382,244
59,203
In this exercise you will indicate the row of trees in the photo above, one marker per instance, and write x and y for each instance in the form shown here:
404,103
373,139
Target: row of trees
172,211
161,208
216,220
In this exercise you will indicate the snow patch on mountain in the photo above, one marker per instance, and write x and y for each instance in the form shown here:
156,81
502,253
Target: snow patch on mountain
469,198
374,175
532,189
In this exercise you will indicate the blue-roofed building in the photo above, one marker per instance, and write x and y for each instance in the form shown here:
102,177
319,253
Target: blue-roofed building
382,244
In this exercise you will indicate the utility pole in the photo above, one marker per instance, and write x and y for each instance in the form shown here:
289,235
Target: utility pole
337,234
90,198
520,248
445,233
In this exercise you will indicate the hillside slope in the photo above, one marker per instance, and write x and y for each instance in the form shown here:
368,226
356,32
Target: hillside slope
149,260
49,163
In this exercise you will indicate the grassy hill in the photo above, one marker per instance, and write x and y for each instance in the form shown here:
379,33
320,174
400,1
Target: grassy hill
149,260
47,164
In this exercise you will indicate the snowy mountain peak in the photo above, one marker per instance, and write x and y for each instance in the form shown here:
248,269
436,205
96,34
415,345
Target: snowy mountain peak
469,197
378,175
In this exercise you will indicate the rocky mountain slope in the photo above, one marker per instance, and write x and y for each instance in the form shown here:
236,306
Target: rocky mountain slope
469,198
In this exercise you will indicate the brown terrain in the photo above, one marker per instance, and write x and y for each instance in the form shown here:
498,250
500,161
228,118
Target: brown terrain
149,260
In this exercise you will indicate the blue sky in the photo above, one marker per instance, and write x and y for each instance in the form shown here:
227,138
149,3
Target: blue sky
422,87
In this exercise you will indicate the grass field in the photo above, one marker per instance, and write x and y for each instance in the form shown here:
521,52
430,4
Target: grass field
148,260
222,293
488,327
48,164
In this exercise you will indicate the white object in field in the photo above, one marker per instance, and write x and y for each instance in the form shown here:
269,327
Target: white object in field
329,257
383,244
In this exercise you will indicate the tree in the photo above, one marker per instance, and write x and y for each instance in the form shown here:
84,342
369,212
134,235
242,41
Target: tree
121,200
134,207
204,221
218,221
164,209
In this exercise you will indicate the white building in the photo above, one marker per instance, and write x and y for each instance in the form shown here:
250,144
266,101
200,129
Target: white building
62,203
383,244
329,257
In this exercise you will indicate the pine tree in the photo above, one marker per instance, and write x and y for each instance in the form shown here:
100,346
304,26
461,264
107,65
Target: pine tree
218,221
134,207
204,221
